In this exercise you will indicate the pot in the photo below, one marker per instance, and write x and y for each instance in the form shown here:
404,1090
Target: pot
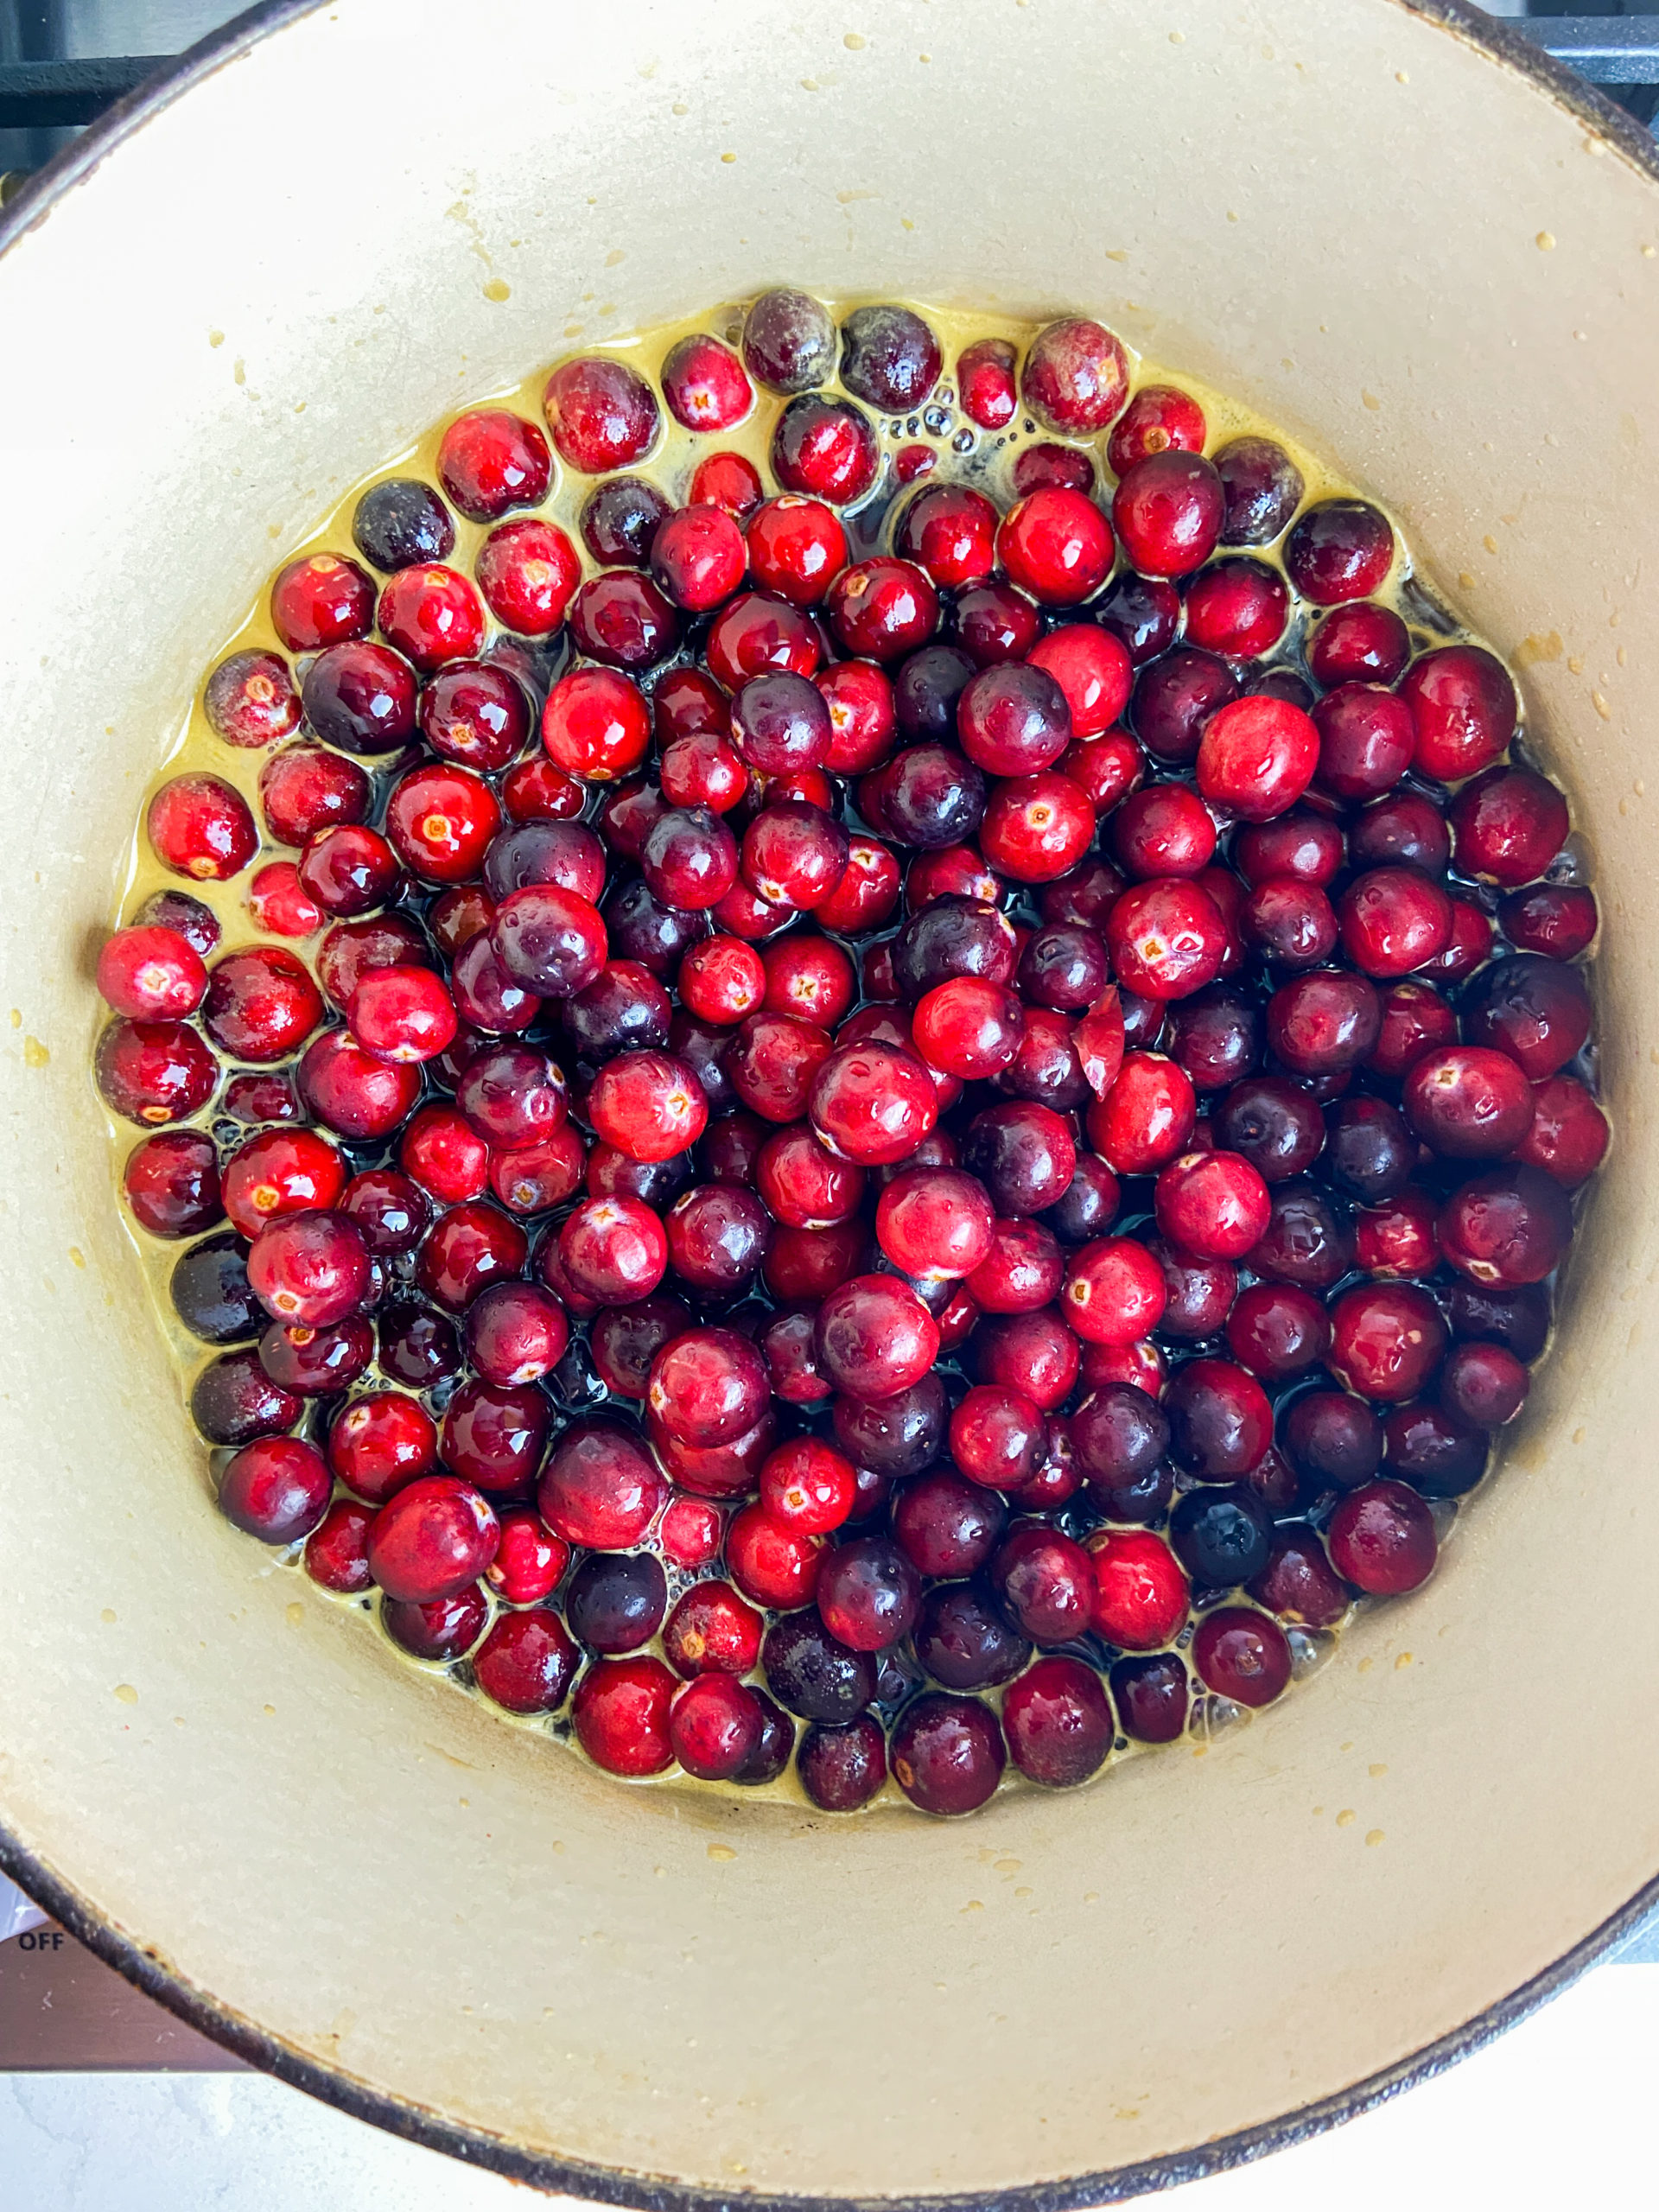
1429,255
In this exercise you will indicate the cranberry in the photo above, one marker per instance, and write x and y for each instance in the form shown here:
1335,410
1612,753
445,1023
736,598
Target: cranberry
825,448
1339,549
233,1400
1221,1534
151,974
1509,1227
304,790
1469,1102
1482,1384
1166,939
1516,1316
868,1594
772,1563
707,1386
310,1267
400,521
872,1103
875,1338
1382,1538
1463,706
1056,544
1289,922
1145,1117
537,1176
1556,919
1151,1696
705,384
1535,1009
1021,1272
526,1664
1243,1655
1262,487
319,599
1168,510
360,697
948,1753
350,1092
813,1674
1174,699
494,1435
620,1714
492,461
1325,1023
1114,1290
276,1488
1213,1204
728,480
1386,1340
1238,607
472,1245
431,1539
1075,377
200,826
171,1183
1366,740
1569,1133
1140,1596
1507,825
336,1551
985,381
789,342
602,414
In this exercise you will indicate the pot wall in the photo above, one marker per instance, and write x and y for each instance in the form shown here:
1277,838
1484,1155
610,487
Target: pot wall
1341,215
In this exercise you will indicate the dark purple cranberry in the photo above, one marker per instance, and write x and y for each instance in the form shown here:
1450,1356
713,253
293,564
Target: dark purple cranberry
810,1674
209,1289
1064,967
419,1347
995,623
1221,1534
1281,683
964,1642
621,620
952,936
360,697
926,690
1307,1242
1088,1205
1023,1153
1333,1438
897,1436
1118,1434
1201,1292
176,910
444,1629
313,1362
1405,829
1517,1317
889,358
1276,1125
1145,611
1215,1036
1369,1150
772,1754
1438,1453
616,1600
620,519
718,1236
1263,488
728,1148
641,928
842,1768
948,1753
233,1400
400,523
1143,1499
1535,1009
624,1009
1175,696
868,1594
927,796
950,1527
564,852
1151,1696
789,342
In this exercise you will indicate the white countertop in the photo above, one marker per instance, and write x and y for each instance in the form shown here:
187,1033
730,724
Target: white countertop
1557,2113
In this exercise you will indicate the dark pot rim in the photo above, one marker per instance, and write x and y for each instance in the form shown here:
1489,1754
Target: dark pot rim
334,2085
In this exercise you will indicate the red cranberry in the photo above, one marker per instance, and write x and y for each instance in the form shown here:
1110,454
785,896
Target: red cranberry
310,1267
728,480
620,1714
872,1103
1324,1023
1140,1592
536,1176
1366,740
1238,607
1393,919
1021,1272
1243,1655
380,1443
705,384
1339,549
842,1767
968,1028
1416,1018
1056,544
1257,757
775,1565
1386,1340
151,974
281,1172
1151,1696
715,1727
1213,1204
233,1400
1569,1133
1557,919
875,1338
351,1091
826,448
348,869
526,1664
1164,830
360,697
1168,510
947,1753
249,700
985,382
319,599
493,1434
1274,1124
304,790
336,1551
431,1539
1299,1582
1382,1539
1482,1384
1166,939
1291,922
1264,489
1276,1330
1075,377
1145,1117
1114,1290
1464,705
528,572
600,1487
492,461
277,1488
1058,1723
171,1183
624,620
1508,825
200,826
602,414
471,1246
1220,1420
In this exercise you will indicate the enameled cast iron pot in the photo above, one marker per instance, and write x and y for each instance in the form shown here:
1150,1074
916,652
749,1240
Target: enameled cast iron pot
1402,237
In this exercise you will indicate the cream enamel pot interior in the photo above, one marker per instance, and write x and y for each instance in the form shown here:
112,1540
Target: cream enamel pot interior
1433,264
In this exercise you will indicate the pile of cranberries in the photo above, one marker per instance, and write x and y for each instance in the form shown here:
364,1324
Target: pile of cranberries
912,1119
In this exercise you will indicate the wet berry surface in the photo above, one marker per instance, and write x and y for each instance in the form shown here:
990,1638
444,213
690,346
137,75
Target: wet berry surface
858,1066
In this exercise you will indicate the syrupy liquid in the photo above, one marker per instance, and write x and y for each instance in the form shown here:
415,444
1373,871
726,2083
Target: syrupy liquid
962,453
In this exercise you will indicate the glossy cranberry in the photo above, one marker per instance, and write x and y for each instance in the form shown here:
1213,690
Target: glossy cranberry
824,448
303,789
277,1488
401,521
953,935
842,1767
1241,1654
527,1663
1024,1155
809,1670
1064,967
310,1267
1140,1596
516,1334
1263,489
171,1183
1558,920
615,1600
715,1727
1159,416
431,614
1213,1204
431,1539
280,905
1415,1019
613,1249
1022,1270
1151,1697
868,1594
1174,698
1256,757
728,480
875,1338
774,1565
319,599
1325,1023
1219,1418
402,1014
1484,1384
1464,705
1508,825
200,826
948,1753
1393,919
1469,1102
985,382
707,1386
1075,377
929,796
1435,1448
1168,510
1056,544
445,1155
1386,1340
602,414
380,1443
151,974
1370,1150
529,1565
417,1347
1058,1723
349,870
1145,1117
599,1488
336,1554
233,1400
1536,1010
1166,939
316,1362
1569,1134
1308,1241
889,358
947,1526
528,572
872,1104
705,384
1238,607
1114,1290
1359,644
1291,923
1165,830
471,1246
361,698
253,1098
537,1176
1382,1539
1277,1330
494,1435
1221,1534
1507,1227
1339,549
620,1715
